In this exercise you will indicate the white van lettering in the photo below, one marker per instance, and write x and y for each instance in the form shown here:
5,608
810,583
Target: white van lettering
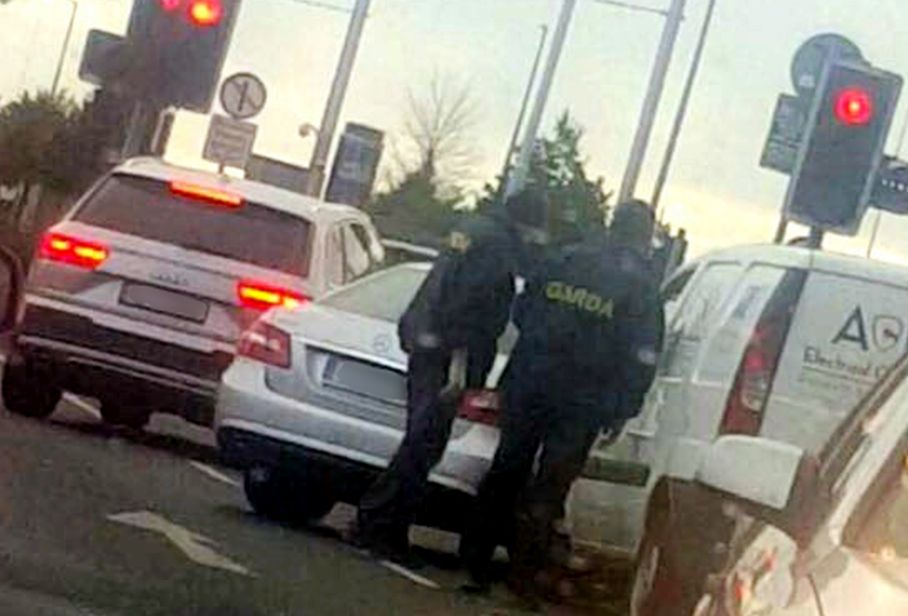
853,330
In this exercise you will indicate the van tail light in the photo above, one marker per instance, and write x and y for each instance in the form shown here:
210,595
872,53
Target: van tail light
71,250
480,406
752,386
262,296
265,343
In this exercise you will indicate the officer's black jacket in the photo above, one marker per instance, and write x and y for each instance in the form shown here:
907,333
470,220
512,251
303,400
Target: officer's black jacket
591,327
466,298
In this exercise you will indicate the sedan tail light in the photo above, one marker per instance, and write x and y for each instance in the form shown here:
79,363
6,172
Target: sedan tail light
262,297
480,406
265,343
73,251
753,382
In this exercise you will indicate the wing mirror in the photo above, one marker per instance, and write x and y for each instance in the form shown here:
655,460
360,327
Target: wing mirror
10,289
777,482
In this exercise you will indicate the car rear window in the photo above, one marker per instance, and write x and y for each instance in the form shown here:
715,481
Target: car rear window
251,233
383,296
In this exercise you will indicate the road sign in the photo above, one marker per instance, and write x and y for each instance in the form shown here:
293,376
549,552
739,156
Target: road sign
355,165
103,59
786,132
243,96
229,142
810,58
891,190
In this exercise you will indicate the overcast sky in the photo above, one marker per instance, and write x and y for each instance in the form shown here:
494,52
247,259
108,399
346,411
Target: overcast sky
716,189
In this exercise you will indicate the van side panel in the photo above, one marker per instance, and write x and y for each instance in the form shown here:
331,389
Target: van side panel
846,333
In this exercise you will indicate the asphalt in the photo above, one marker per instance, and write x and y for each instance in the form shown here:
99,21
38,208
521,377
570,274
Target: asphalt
99,521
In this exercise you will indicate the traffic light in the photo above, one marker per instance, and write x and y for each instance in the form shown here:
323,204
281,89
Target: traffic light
838,168
178,48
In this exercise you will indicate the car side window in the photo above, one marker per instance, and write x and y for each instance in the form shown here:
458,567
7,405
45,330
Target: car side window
690,323
334,257
673,289
357,261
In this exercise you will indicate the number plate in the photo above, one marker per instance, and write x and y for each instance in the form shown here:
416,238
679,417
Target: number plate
163,301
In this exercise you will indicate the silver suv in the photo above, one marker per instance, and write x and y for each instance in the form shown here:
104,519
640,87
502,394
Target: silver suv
138,296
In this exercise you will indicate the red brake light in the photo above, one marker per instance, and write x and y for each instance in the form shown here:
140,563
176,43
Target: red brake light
204,193
205,13
854,107
752,385
262,297
480,406
265,343
66,249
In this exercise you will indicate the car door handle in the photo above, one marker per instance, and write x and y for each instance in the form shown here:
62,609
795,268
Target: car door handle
638,433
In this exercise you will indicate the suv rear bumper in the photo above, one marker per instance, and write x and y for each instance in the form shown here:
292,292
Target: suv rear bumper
100,362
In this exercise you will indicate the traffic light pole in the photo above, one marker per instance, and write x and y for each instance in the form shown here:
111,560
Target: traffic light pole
326,130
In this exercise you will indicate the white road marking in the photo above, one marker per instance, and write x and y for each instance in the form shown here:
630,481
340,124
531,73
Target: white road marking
82,404
196,547
215,474
410,575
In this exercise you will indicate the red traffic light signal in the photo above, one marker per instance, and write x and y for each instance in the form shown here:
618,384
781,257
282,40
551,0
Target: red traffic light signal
205,13
854,107
169,6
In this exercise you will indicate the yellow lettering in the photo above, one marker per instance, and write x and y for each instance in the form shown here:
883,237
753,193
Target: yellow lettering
554,290
593,303
459,242
608,309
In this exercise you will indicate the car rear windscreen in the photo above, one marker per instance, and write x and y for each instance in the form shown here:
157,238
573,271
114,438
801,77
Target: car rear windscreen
250,233
383,296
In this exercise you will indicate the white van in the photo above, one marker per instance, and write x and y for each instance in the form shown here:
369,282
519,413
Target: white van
775,341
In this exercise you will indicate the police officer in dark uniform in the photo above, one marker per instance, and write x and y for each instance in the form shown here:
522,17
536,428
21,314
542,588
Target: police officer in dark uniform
450,331
590,330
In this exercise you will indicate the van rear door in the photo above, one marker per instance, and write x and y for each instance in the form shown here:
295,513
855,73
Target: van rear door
847,331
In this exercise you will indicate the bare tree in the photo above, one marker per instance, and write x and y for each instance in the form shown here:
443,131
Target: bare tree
437,136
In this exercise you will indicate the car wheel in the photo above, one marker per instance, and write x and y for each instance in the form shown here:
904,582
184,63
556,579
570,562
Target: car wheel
127,416
657,589
280,496
28,392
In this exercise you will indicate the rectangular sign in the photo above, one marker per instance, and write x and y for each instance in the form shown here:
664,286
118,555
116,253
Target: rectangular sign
785,134
229,142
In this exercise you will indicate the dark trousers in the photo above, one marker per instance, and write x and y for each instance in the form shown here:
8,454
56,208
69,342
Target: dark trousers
516,505
388,507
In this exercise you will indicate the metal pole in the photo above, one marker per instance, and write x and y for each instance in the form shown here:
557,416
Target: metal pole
523,106
651,102
133,143
682,107
780,230
518,178
319,161
66,39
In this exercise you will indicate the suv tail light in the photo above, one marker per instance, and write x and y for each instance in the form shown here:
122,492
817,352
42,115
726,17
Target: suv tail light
753,382
265,343
262,297
67,249
480,406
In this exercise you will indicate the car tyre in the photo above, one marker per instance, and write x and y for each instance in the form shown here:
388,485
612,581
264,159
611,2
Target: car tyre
656,588
282,497
27,390
127,416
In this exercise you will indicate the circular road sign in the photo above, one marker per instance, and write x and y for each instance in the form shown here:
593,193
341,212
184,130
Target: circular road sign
807,66
243,95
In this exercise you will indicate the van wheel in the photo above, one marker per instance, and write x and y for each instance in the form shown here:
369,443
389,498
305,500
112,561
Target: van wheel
657,587
283,497
27,390
135,418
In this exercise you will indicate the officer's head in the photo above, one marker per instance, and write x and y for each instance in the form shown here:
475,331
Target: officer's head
529,211
632,225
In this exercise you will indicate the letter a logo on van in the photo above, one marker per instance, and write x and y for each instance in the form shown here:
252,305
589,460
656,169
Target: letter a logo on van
887,331
854,330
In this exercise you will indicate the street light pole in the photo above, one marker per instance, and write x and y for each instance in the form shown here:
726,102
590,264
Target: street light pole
518,178
326,129
682,107
69,32
523,106
651,102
